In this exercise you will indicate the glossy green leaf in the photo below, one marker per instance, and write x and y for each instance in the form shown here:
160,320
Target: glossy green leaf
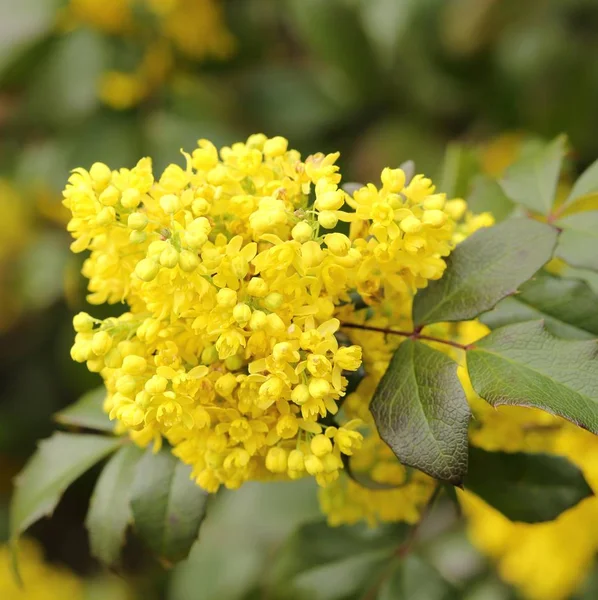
109,509
524,365
87,412
421,412
526,487
587,183
578,242
568,307
485,268
487,196
58,461
532,180
168,507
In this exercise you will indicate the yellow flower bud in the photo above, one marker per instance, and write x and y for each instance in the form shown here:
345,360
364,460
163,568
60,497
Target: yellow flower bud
110,196
320,445
137,237
101,343
455,208
82,322
126,385
273,301
274,324
318,387
113,360
188,261
434,202
100,174
327,219
137,221
143,399
393,179
209,355
276,460
170,204
338,243
257,287
226,298
258,320
296,460
226,384
330,200
130,198
106,216
300,394
147,269
435,218
302,232
242,314
234,363
134,365
313,465
169,257
276,146
348,357
156,384
195,240
411,224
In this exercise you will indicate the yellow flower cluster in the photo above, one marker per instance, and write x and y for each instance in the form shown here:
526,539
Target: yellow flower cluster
236,283
41,581
194,29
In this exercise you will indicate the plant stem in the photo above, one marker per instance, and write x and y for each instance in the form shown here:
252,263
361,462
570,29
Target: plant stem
414,335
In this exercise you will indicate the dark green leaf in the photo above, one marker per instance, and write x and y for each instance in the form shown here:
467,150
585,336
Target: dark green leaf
526,487
87,412
460,165
58,461
421,412
316,544
487,196
532,180
586,184
109,509
524,365
485,268
578,242
568,307
168,507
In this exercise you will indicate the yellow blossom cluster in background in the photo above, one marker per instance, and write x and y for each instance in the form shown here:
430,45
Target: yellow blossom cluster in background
237,284
161,30
42,581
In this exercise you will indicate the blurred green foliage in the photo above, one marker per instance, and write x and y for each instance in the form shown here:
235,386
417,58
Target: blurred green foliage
383,81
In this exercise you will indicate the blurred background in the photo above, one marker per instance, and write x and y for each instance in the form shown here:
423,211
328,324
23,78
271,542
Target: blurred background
383,81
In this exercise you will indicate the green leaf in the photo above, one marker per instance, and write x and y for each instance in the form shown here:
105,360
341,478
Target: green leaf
487,196
87,412
109,509
460,165
532,180
586,184
578,242
526,487
316,544
57,462
485,268
421,412
168,507
524,365
568,307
